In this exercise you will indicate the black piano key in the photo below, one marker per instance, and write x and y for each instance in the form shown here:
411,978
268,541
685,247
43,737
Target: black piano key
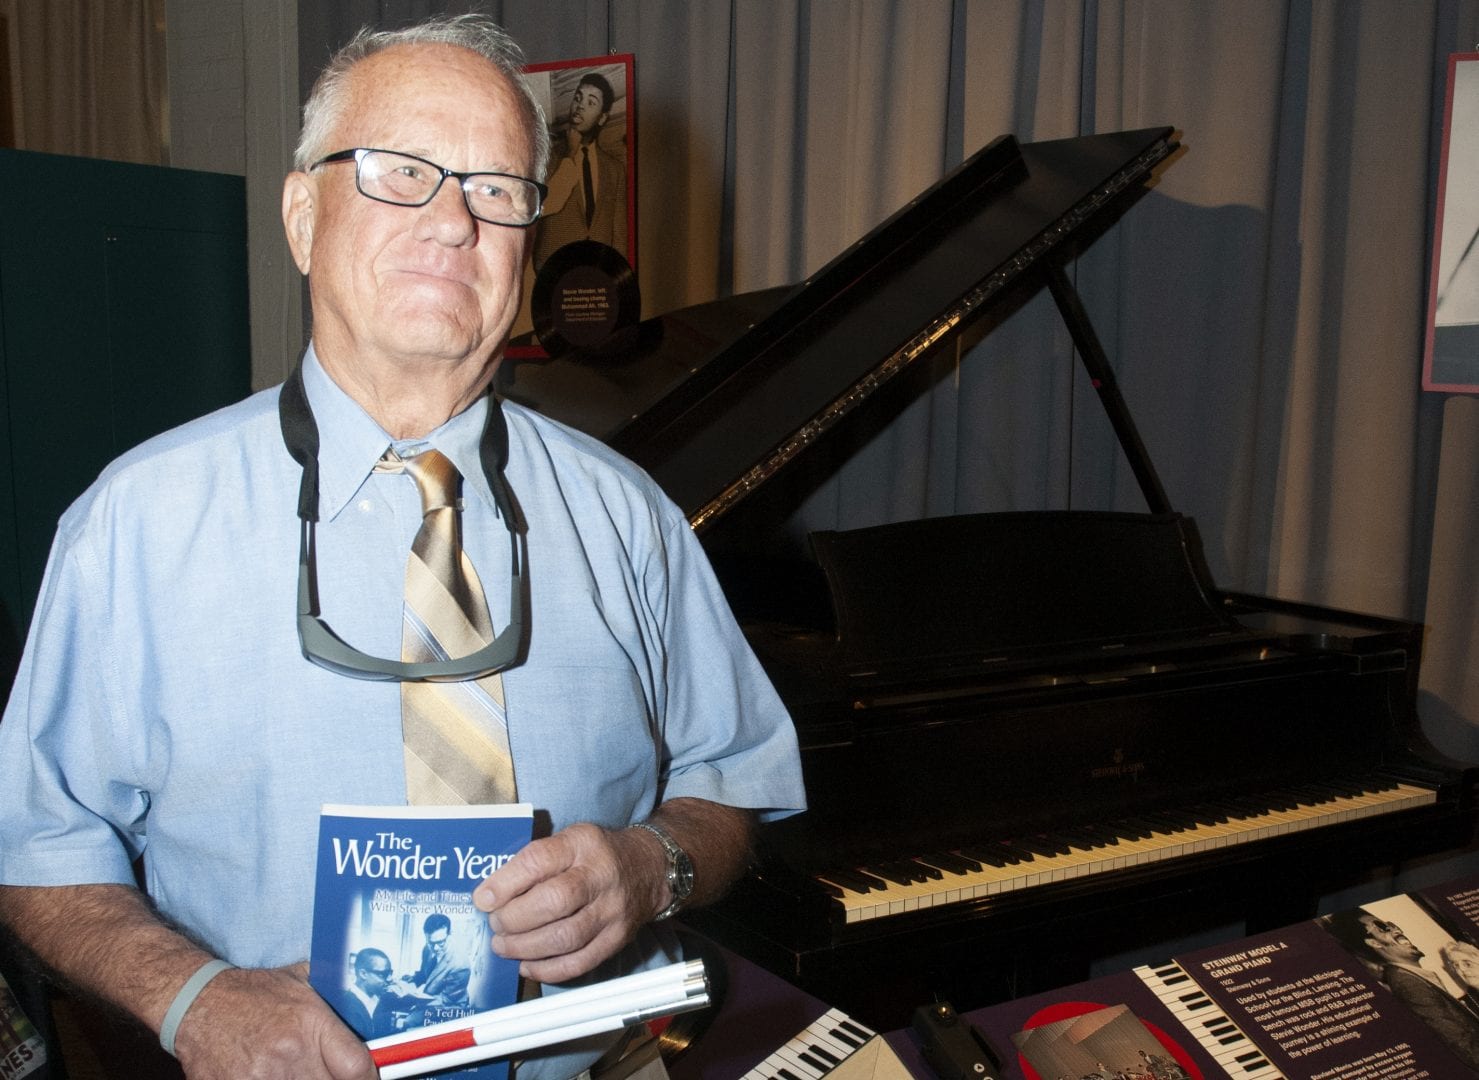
1133,828
1034,846
822,1052
1315,795
1023,852
1145,826
1057,842
1164,823
1013,854
952,862
930,872
783,1073
1080,838
919,871
855,1030
815,1062
916,872
855,880
986,855
1185,817
831,890
992,855
900,871
847,1037
891,871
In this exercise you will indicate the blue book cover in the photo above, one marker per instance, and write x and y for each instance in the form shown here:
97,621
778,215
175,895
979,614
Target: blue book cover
397,943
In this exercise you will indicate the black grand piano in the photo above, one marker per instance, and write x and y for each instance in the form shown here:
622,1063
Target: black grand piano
1030,740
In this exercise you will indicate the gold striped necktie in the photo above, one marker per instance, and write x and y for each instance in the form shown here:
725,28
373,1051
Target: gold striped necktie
455,734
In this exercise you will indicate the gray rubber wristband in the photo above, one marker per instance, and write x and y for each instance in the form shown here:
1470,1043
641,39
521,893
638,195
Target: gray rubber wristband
185,998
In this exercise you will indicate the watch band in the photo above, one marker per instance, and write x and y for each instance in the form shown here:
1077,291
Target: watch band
680,870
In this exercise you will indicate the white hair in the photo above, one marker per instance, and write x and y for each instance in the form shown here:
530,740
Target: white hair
327,100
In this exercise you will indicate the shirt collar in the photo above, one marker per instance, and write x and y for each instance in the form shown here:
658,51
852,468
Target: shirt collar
351,442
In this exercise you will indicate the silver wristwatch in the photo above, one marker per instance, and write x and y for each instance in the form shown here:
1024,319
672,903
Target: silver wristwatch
680,869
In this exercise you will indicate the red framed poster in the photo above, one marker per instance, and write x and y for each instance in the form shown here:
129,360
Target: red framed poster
580,282
1451,351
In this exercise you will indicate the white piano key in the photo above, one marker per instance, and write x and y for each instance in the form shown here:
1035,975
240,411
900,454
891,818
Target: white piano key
894,899
799,1058
1233,1051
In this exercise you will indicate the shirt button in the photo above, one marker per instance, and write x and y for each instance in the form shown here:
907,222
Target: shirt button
365,506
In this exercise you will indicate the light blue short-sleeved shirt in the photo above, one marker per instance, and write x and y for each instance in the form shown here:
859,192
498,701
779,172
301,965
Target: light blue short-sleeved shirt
163,707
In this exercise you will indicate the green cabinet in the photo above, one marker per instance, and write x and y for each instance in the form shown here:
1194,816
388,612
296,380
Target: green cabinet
123,312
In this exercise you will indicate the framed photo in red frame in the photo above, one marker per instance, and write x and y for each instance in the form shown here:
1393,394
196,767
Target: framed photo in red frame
580,276
1451,352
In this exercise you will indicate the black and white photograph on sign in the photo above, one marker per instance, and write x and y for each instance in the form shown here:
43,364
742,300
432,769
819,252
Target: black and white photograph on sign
580,280
1422,964
1451,360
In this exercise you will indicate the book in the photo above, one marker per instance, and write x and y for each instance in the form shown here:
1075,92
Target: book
397,943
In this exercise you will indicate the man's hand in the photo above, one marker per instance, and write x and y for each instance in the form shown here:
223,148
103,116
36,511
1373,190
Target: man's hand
566,903
264,1024
108,941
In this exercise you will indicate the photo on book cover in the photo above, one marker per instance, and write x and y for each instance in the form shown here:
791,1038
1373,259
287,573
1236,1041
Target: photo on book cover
580,285
1102,1043
397,943
1424,967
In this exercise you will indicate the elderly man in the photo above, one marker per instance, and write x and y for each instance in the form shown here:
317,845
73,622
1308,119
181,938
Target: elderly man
176,716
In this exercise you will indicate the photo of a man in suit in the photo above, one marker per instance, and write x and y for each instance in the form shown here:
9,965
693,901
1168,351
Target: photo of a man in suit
588,176
439,983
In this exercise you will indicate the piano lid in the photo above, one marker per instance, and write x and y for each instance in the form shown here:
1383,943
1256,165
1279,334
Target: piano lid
714,400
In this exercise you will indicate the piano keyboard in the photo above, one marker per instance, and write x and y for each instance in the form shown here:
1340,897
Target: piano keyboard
825,1044
966,873
1233,1051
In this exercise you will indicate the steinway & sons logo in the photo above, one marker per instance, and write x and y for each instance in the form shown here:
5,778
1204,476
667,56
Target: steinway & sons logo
1118,767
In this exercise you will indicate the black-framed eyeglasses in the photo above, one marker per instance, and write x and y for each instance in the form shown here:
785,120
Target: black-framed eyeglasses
390,176
327,649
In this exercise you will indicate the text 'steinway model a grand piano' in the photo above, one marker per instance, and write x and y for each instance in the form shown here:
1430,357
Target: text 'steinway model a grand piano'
1015,762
